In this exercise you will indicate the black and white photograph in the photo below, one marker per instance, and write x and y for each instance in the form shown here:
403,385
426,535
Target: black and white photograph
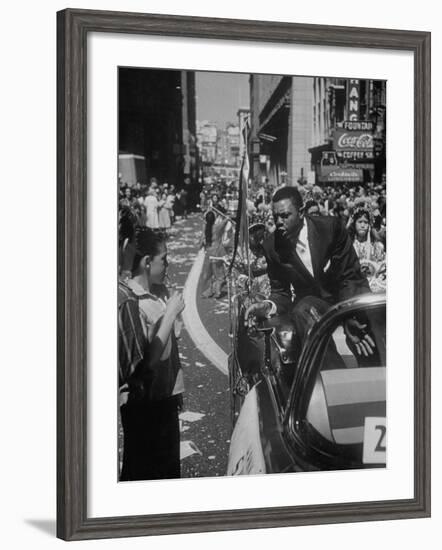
252,274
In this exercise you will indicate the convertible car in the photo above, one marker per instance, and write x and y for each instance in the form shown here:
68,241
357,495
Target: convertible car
322,407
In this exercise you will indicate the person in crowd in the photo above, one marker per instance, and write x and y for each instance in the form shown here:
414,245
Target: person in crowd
342,213
381,232
251,208
163,213
178,206
133,355
181,203
369,249
151,204
203,200
314,257
158,442
171,197
142,196
209,220
140,213
127,199
311,208
228,236
214,270
223,202
365,242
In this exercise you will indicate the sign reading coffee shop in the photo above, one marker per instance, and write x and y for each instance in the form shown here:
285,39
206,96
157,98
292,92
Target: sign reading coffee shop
352,156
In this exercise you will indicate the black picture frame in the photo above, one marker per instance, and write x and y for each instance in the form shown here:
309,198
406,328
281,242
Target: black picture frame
73,27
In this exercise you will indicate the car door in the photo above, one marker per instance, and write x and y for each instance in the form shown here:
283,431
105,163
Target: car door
336,416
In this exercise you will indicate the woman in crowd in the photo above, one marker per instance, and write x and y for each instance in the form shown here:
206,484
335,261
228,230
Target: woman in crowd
369,249
366,245
163,213
151,204
170,200
158,443
213,272
140,212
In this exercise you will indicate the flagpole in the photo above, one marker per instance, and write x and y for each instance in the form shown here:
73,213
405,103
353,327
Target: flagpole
242,230
246,187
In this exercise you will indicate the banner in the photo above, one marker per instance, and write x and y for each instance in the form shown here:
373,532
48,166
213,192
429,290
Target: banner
330,174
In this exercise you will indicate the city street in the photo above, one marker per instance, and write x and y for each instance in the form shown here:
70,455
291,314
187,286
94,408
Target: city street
303,156
205,420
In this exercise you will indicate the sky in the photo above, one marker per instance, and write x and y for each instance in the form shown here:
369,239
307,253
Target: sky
220,95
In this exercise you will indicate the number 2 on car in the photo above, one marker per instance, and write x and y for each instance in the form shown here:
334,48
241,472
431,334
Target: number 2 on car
375,441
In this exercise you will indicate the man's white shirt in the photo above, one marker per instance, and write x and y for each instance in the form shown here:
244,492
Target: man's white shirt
304,253
303,248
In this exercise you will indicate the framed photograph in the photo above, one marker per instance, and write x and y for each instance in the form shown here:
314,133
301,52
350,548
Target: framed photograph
239,344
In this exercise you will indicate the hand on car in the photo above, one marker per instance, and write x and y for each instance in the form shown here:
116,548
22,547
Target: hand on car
363,342
259,310
124,394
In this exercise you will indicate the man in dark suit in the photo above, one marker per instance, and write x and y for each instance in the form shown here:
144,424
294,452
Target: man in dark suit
311,265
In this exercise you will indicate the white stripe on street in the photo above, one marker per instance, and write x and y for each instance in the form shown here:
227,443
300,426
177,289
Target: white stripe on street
192,321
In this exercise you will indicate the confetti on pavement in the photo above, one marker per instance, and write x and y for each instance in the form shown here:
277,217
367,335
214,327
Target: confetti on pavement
189,416
188,448
215,426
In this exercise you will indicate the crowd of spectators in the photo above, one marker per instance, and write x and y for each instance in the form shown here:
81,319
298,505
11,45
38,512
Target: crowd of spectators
361,208
154,205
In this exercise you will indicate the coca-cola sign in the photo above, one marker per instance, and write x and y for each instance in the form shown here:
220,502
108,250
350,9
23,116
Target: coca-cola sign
345,140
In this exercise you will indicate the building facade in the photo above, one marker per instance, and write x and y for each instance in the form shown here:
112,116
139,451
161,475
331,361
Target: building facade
308,130
349,130
157,123
281,126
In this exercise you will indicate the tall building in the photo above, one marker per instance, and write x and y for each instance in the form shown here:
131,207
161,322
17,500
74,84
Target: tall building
227,145
207,139
157,123
232,145
190,149
281,128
